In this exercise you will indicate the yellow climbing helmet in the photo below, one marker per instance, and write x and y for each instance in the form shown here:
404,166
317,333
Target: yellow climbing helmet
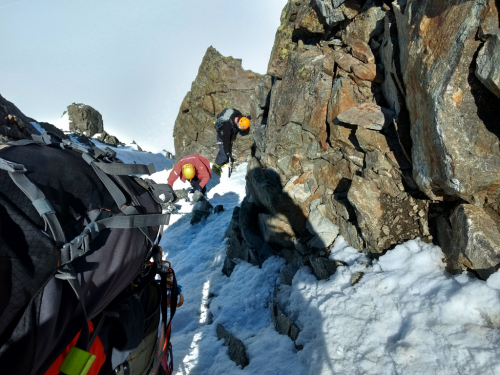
188,170
244,123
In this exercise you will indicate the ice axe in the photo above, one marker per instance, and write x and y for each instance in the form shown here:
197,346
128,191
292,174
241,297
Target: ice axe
230,166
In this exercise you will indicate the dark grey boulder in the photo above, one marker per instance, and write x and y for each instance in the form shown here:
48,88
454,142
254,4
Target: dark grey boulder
84,119
282,323
228,267
237,351
201,210
323,268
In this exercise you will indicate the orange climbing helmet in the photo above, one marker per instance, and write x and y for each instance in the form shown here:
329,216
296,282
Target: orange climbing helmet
244,123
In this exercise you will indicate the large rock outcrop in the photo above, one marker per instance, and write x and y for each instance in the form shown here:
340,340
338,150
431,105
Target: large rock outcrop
84,119
454,117
381,125
221,83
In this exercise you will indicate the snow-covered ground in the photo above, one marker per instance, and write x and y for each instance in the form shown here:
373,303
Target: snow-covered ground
406,315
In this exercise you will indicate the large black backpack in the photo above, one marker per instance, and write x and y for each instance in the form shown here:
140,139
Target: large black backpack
78,240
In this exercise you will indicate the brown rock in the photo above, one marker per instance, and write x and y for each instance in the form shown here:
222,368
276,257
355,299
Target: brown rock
367,72
366,25
342,98
276,229
370,140
221,83
302,96
365,198
362,51
295,15
344,60
331,175
307,19
367,115
351,8
488,64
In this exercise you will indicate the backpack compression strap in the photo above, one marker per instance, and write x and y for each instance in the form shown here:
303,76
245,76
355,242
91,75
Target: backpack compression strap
37,198
81,243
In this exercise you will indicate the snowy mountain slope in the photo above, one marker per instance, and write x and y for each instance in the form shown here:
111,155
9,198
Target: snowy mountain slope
407,315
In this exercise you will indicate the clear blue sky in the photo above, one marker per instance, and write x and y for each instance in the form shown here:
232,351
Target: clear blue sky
132,60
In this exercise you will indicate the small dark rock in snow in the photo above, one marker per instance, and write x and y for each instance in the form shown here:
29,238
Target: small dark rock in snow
237,351
228,267
356,277
323,268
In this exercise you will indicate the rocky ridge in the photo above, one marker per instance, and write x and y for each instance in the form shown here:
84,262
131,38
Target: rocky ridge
84,122
221,83
377,121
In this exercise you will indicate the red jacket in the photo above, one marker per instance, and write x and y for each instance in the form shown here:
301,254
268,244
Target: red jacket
201,164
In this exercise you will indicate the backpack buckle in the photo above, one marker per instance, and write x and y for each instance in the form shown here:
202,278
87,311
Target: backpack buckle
80,244
12,167
77,362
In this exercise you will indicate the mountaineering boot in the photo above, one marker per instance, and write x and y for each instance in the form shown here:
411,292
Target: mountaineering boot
216,168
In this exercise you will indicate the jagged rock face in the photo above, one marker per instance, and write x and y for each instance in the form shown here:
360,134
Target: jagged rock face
299,21
110,139
476,239
454,117
84,119
381,125
367,24
14,124
221,83
488,63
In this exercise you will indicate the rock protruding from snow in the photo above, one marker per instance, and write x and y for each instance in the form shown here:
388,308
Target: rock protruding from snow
201,210
282,323
109,139
476,240
237,351
388,121
323,268
52,129
84,119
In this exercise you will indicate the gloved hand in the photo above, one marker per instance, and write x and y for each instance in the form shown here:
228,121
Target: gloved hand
197,188
197,196
229,155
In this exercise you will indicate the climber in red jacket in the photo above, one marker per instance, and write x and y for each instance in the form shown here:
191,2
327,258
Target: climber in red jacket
194,168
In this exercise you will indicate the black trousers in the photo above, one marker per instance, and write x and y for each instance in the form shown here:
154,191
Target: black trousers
221,156
195,184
